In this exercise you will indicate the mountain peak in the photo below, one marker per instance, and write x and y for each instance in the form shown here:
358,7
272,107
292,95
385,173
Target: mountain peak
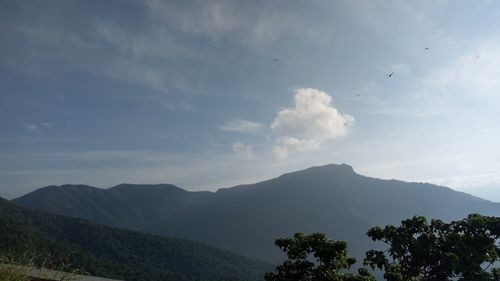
161,186
333,169
55,188
341,167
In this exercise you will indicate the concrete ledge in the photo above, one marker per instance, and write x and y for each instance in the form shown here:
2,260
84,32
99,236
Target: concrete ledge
52,275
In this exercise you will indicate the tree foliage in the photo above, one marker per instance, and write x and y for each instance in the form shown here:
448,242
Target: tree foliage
462,250
418,250
314,257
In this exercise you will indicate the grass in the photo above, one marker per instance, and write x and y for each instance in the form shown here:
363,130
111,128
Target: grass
13,273
20,269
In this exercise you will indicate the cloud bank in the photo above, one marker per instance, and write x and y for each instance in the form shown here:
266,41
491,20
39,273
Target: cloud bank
307,125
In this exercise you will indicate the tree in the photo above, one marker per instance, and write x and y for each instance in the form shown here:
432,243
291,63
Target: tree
461,250
313,257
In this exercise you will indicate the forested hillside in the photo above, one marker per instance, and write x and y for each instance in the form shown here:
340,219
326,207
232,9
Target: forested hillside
115,253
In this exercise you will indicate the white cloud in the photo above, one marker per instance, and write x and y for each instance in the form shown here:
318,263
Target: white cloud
34,126
286,145
308,124
240,125
31,127
494,129
243,151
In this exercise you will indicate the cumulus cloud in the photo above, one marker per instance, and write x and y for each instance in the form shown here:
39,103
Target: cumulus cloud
242,150
240,125
286,145
307,125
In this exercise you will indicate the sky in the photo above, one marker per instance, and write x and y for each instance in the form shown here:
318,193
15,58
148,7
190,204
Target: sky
211,94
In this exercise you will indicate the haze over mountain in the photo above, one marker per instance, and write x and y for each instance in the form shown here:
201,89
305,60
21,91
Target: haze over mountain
116,253
246,219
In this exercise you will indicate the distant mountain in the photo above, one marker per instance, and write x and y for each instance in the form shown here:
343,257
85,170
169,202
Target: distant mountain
115,253
136,207
246,219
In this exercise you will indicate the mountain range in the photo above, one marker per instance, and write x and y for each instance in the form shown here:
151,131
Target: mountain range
246,219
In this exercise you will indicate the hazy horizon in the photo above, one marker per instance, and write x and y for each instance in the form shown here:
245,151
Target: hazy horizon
210,94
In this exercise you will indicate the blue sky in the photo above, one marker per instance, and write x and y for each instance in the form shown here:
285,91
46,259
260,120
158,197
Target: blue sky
209,94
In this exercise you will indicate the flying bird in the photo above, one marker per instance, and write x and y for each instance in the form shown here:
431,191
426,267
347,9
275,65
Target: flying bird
275,60
426,48
390,74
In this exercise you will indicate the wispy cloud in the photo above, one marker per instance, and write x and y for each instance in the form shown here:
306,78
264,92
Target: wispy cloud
494,129
460,81
243,151
248,24
31,127
38,126
469,182
242,126
473,74
154,49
